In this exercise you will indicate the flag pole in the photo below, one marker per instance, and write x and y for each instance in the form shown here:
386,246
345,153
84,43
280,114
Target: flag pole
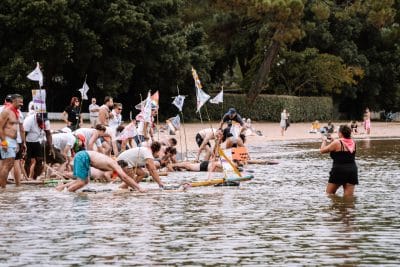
80,107
44,123
184,130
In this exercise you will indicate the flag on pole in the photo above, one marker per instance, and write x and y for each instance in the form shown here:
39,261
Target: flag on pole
218,98
147,109
36,75
176,122
196,79
178,101
154,99
84,90
202,98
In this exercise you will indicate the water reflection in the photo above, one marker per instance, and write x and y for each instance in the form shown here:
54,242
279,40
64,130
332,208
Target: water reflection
283,217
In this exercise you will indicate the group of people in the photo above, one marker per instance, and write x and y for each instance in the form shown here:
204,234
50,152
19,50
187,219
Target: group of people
108,150
105,150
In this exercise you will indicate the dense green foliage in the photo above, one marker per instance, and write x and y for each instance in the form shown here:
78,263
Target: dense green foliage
268,108
346,50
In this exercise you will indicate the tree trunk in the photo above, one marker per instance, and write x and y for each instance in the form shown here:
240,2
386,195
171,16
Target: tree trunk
263,72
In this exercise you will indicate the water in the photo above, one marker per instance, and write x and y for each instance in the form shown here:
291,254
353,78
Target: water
281,218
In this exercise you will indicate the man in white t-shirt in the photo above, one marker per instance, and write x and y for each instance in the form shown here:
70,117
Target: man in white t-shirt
93,113
37,129
116,118
92,136
140,157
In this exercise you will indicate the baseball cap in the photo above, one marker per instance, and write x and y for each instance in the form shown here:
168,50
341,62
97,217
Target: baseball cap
8,98
232,111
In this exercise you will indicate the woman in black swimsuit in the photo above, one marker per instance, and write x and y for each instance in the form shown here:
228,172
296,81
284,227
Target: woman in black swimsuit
344,169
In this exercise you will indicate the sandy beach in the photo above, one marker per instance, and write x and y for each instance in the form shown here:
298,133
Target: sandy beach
271,132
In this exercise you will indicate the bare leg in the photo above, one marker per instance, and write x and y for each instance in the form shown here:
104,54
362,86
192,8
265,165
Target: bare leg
332,188
5,167
17,172
77,184
348,190
32,168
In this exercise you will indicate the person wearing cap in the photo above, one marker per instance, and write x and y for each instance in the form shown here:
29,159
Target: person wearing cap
10,125
230,117
83,160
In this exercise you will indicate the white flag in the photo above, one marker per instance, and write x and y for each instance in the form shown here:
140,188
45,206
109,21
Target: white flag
202,98
147,109
36,75
196,79
176,122
84,90
218,98
178,101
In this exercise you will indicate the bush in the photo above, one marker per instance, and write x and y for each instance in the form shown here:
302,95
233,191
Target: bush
265,108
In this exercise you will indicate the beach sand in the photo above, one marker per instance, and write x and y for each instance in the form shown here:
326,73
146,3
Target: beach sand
271,132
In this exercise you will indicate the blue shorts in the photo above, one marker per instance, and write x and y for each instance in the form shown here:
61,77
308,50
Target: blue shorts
12,149
82,165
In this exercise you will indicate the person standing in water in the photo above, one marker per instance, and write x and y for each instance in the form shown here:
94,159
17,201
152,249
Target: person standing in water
367,121
344,170
9,126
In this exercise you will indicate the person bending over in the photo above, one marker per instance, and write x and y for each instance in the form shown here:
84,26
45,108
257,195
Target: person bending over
85,159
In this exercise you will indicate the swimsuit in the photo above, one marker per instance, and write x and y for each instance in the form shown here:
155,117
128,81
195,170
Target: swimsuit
82,165
204,166
344,169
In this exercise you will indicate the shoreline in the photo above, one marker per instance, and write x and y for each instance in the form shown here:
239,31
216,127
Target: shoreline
271,132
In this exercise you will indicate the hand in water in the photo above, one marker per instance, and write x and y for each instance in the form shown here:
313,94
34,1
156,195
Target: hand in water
142,190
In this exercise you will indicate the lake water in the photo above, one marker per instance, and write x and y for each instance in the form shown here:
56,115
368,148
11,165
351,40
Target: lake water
282,217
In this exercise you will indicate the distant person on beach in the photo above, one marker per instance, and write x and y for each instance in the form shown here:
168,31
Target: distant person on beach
72,114
284,123
85,159
328,129
344,169
367,121
93,113
315,127
354,126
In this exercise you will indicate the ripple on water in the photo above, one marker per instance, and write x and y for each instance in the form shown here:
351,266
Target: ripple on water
281,217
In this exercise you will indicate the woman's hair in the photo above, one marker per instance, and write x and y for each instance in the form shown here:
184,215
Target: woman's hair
345,130
73,99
